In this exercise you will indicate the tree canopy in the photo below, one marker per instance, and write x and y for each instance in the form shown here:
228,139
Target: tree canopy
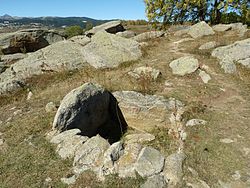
215,11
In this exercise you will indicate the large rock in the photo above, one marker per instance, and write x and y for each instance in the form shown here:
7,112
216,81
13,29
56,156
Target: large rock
126,34
222,27
81,39
110,27
156,181
60,56
200,29
148,36
184,65
28,40
146,112
90,154
93,110
12,58
239,52
109,51
173,168
150,162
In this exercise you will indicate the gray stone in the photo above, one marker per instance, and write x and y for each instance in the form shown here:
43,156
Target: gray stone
145,112
181,32
208,45
126,163
81,39
12,58
64,136
195,122
29,96
69,181
28,40
184,65
139,138
67,148
109,51
150,162
1,141
173,168
93,110
245,62
126,34
240,28
90,154
156,181
148,73
226,141
204,76
200,29
148,36
238,52
222,27
60,56
110,27
50,107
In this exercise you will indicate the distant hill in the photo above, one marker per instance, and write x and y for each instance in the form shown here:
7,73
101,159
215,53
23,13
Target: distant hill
51,21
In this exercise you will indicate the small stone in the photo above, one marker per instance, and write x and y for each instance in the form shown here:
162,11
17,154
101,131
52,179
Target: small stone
1,141
156,181
246,151
168,84
236,176
208,45
50,107
29,96
195,122
226,141
183,135
69,181
1,122
48,179
204,76
18,112
150,162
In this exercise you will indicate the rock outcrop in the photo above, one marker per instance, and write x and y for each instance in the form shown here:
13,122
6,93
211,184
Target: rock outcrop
112,27
93,110
60,56
208,45
126,34
148,36
184,65
200,29
146,112
239,52
28,40
109,51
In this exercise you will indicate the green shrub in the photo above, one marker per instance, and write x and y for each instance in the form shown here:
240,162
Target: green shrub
73,31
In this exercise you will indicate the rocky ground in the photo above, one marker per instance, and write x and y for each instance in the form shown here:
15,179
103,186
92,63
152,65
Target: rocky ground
182,118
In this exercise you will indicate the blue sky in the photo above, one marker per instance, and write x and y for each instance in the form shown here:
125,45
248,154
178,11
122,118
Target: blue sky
99,9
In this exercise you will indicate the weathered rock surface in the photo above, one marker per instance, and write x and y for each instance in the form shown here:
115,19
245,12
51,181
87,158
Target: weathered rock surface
28,40
184,65
126,164
208,45
148,36
60,56
148,73
145,112
156,181
139,138
239,52
110,27
81,39
173,168
204,76
126,34
150,162
50,107
93,110
109,51
222,27
195,122
90,154
12,58
200,29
